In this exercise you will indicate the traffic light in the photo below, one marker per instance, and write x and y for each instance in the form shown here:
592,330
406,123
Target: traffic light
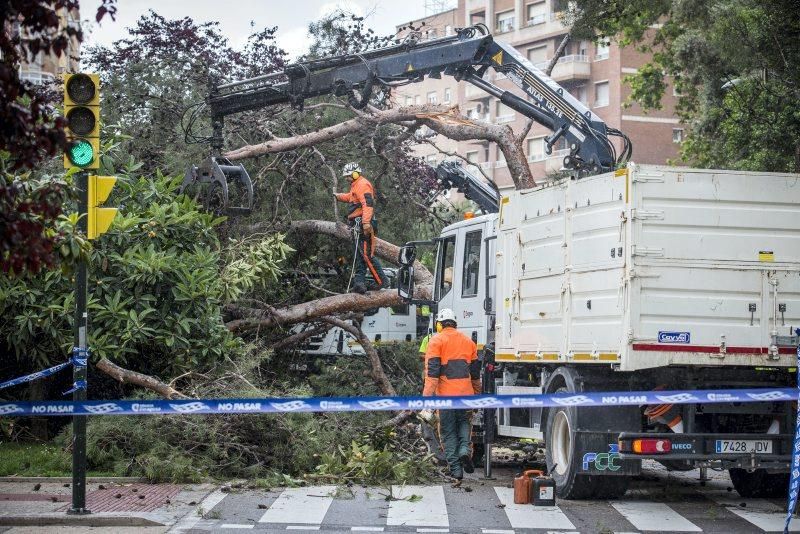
99,219
82,112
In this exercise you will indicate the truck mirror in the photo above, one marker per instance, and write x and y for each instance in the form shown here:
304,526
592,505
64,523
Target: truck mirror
408,253
405,282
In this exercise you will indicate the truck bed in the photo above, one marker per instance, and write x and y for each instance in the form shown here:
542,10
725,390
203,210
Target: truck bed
651,266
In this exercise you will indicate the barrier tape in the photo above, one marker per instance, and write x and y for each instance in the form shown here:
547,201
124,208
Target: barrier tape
35,376
794,474
370,404
79,359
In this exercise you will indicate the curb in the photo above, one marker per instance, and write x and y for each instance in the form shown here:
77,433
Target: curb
89,520
89,480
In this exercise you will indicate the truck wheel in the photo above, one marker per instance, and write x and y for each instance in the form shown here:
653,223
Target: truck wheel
759,483
560,454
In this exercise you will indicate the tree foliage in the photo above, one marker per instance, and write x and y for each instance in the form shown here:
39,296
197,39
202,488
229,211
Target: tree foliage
734,63
156,290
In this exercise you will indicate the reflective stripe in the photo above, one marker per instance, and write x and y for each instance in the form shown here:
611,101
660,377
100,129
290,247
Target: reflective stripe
475,370
455,369
434,367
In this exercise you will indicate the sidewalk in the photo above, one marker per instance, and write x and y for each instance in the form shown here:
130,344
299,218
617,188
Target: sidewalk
114,503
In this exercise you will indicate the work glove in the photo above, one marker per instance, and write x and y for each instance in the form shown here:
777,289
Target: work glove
366,228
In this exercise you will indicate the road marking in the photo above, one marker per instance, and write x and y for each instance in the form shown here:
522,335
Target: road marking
191,519
300,505
428,511
490,531
366,529
433,530
233,525
302,527
760,512
532,517
651,516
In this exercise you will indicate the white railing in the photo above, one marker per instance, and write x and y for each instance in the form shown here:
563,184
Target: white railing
533,158
571,58
502,119
598,57
537,19
479,117
486,165
36,76
500,164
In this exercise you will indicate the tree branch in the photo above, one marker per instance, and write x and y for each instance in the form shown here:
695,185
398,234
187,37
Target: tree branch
299,337
378,374
126,376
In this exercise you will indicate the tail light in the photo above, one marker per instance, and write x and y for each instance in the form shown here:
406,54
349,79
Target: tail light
651,446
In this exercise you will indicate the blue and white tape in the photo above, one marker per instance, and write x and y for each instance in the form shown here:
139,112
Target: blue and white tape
35,376
372,404
794,474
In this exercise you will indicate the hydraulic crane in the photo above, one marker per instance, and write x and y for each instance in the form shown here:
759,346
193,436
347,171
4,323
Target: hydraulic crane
466,56
452,175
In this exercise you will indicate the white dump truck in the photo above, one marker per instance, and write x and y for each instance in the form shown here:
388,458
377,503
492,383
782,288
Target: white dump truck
650,277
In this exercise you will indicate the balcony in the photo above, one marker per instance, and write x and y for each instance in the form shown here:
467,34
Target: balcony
487,165
503,119
571,67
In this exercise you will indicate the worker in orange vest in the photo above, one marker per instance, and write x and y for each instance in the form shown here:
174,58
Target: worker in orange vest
452,368
361,219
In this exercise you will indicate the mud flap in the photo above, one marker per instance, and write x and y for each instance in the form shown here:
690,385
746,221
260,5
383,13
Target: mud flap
598,455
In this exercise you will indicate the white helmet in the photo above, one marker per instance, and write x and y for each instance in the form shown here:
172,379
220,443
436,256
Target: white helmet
445,314
350,168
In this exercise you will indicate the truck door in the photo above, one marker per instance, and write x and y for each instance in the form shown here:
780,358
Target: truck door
443,291
471,287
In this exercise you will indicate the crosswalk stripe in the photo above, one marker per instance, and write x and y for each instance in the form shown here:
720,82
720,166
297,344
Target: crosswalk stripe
302,527
235,525
427,509
651,516
307,506
493,531
366,529
761,513
529,516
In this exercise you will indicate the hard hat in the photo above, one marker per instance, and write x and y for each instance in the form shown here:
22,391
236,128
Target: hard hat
351,169
446,314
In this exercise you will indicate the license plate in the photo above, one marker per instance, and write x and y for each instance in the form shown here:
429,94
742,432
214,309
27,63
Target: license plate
744,446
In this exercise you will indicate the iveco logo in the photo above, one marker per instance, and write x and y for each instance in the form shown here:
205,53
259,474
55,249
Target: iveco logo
674,337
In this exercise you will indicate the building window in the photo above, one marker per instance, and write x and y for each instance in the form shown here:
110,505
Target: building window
503,113
417,100
583,48
472,157
477,18
471,267
504,22
409,101
600,94
432,98
447,95
582,94
677,135
536,149
601,50
537,54
537,13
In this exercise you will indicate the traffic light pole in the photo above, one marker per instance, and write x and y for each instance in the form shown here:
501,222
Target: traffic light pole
79,371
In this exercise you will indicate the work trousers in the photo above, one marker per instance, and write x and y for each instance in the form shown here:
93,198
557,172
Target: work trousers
366,262
454,430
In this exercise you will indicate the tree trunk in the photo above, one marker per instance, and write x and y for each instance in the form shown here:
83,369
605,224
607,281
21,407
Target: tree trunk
127,376
383,249
268,316
443,120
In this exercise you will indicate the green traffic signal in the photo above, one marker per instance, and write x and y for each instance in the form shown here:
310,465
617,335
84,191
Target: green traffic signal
81,152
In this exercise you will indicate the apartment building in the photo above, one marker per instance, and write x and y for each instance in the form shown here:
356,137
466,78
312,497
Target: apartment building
47,67
593,72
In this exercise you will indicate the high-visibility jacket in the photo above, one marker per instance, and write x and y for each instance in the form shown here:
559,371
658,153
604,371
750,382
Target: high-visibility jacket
361,198
451,365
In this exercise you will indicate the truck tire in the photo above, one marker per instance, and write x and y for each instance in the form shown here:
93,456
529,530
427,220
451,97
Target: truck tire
560,454
759,483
